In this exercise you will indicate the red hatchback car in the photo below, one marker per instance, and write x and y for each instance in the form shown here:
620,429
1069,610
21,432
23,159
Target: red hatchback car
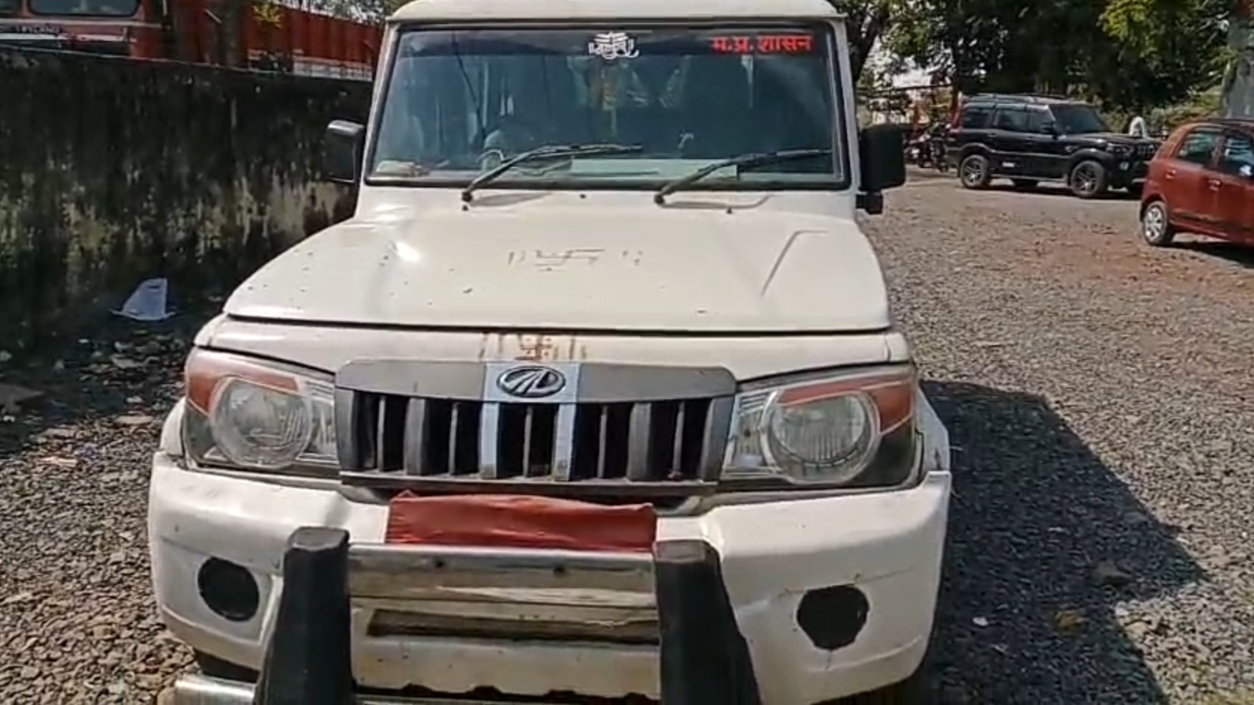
1202,181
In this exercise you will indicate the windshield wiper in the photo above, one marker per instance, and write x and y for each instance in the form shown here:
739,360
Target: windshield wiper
742,161
551,151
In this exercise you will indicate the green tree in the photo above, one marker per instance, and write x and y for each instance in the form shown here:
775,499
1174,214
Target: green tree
1163,50
1126,53
866,21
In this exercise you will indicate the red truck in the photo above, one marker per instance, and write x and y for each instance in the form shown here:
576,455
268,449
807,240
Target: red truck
271,36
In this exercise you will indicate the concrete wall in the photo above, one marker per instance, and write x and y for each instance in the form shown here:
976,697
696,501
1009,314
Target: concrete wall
112,171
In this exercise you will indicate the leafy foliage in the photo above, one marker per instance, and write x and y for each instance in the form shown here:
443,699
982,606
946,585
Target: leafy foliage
1129,54
360,9
867,21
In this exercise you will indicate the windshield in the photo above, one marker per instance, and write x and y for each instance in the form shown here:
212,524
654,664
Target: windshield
459,102
98,8
1078,119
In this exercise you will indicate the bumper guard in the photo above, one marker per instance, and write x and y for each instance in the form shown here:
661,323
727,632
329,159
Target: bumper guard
704,659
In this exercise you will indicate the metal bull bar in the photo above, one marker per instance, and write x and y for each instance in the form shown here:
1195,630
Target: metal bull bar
704,660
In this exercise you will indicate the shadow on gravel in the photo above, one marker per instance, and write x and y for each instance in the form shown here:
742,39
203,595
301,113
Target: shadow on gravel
916,173
1060,190
1044,541
1242,256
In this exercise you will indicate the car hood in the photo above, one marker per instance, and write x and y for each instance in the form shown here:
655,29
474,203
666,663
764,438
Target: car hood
583,268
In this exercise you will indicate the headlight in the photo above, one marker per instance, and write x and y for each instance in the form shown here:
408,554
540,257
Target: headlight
1120,150
851,429
246,414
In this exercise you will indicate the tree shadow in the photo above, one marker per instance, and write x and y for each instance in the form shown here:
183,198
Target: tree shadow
1044,541
103,369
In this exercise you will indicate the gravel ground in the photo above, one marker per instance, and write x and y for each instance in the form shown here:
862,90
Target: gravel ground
1099,397
1098,394
77,622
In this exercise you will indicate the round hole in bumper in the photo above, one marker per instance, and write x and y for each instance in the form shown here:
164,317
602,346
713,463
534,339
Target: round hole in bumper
228,589
832,617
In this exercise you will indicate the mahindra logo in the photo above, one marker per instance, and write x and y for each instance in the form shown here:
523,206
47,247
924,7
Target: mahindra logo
531,382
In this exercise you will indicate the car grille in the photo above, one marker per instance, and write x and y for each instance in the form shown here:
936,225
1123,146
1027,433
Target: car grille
448,426
1146,150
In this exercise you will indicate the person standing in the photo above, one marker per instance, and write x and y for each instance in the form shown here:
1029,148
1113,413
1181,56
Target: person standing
1138,128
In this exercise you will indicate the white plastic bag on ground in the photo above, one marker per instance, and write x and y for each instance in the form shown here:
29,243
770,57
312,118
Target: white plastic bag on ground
148,302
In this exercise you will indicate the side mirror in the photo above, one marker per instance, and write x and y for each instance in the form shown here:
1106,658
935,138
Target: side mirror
881,152
341,151
1049,128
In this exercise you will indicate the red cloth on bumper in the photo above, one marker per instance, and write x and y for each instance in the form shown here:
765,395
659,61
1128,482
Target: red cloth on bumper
520,521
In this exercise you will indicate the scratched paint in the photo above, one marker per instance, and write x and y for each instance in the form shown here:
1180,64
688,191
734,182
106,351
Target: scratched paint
579,257
117,170
532,347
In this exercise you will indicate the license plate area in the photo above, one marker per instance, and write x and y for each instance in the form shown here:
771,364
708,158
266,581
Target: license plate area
504,593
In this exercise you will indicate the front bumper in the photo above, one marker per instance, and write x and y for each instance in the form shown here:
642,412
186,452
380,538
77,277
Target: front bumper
763,561
1125,172
702,656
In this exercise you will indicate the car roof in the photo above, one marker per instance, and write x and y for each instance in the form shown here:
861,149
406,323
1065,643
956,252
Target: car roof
612,10
1243,124
1024,98
1246,124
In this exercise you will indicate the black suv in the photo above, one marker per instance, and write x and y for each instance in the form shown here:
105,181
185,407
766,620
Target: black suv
1031,138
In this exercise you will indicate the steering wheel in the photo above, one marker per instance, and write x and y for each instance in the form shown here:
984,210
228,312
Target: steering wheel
513,136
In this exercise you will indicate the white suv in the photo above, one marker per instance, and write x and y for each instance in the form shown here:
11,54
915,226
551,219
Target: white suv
596,395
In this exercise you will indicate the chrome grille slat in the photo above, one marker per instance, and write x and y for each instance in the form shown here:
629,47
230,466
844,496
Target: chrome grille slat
489,429
603,421
639,443
529,419
564,442
380,423
396,432
454,418
714,439
415,428
677,444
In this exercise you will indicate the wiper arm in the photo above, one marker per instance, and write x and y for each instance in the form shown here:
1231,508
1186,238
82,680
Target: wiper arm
551,151
744,160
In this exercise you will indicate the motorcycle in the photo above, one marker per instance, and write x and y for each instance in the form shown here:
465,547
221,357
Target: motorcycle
912,152
926,149
917,149
939,152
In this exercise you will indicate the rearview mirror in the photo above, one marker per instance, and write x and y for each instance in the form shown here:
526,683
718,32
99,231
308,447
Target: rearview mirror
881,152
341,151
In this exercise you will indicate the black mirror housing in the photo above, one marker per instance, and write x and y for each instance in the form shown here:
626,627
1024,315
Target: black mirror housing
881,153
341,151
870,203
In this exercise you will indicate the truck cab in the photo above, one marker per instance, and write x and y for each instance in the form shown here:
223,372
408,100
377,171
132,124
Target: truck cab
112,27
596,395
